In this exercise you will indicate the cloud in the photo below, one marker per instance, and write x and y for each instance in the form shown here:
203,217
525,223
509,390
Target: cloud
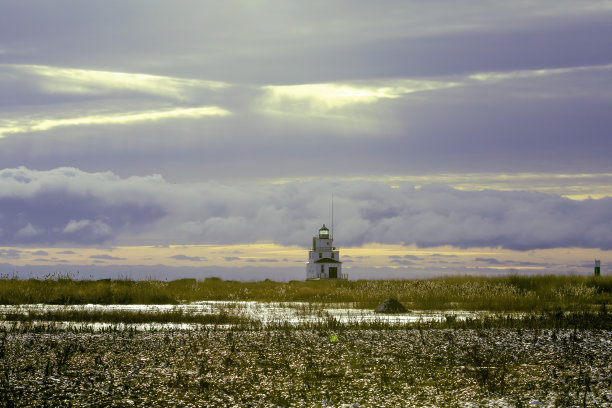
26,124
96,228
81,98
510,263
29,231
576,186
182,257
532,73
528,264
413,257
356,257
491,261
479,119
10,253
327,96
515,124
56,80
107,257
315,99
69,205
398,257
253,260
403,262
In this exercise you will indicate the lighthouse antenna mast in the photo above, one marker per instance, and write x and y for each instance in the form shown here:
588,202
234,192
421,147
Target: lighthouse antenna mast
332,226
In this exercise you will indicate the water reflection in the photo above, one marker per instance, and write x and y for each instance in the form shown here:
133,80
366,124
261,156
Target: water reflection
292,313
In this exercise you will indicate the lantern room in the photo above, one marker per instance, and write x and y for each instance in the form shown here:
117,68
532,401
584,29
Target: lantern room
323,232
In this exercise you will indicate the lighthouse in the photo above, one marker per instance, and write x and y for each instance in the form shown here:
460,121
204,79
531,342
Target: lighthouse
324,258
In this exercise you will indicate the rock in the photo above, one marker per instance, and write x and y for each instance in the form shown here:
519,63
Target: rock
390,306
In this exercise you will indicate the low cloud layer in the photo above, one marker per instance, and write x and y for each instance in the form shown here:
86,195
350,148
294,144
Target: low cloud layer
182,257
67,205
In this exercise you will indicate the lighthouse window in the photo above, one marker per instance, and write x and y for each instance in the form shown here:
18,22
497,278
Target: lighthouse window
320,255
333,255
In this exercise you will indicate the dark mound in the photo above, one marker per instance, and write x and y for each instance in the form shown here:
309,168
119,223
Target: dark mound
390,306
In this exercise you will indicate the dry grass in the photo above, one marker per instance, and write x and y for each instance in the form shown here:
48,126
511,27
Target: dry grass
510,293
297,367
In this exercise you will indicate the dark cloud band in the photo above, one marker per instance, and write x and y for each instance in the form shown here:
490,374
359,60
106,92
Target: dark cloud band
67,205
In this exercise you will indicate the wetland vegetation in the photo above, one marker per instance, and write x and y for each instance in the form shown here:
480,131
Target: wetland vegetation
322,367
543,341
508,293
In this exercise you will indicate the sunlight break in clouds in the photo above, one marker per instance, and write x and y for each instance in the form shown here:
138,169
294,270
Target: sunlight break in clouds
34,125
84,81
328,96
500,76
314,99
572,186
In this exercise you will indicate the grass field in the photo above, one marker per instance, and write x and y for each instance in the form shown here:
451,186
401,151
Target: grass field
288,367
510,293
554,351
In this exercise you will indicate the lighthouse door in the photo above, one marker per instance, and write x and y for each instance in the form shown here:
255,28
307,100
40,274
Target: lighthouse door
333,273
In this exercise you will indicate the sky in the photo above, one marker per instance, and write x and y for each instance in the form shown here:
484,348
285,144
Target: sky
202,138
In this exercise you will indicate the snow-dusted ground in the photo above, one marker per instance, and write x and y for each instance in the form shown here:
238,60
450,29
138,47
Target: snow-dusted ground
290,367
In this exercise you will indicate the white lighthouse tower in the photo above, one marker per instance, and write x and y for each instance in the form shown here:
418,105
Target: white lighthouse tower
324,258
